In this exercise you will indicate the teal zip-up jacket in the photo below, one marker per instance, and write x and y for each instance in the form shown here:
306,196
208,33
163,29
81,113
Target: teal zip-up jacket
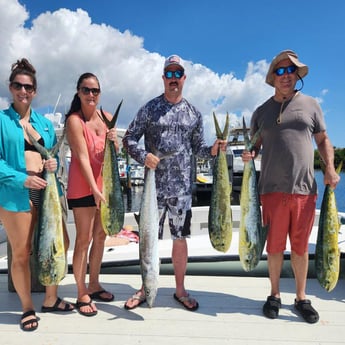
14,196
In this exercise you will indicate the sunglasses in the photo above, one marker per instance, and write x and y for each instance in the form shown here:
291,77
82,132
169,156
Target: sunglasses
18,86
177,74
289,69
86,91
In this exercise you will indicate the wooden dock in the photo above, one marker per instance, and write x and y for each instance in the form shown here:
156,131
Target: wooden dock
230,312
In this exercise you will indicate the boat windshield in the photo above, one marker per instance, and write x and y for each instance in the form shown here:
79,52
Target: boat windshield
237,152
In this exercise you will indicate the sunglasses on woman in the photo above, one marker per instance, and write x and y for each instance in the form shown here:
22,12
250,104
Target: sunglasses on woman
18,86
86,91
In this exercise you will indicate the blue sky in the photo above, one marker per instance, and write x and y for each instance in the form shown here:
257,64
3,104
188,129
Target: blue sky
228,46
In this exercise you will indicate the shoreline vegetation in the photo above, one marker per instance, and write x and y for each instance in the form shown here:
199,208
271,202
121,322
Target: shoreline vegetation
339,156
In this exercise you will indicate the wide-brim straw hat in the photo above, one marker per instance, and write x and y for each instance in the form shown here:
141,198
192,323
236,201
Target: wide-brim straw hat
302,70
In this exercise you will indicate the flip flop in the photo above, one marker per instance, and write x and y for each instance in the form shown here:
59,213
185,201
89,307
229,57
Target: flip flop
32,322
136,297
182,300
79,305
97,296
55,308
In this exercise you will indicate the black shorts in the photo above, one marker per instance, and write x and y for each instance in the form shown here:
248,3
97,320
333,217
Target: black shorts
86,201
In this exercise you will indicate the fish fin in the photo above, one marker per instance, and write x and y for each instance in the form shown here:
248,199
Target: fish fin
110,124
250,143
323,166
162,155
216,124
340,165
56,147
223,135
246,136
137,217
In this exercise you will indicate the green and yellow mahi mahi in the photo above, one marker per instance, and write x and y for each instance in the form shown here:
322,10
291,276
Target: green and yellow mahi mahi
252,236
48,237
327,253
220,216
113,210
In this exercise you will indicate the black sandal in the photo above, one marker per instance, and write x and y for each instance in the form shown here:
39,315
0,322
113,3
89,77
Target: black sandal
271,307
79,305
305,309
32,322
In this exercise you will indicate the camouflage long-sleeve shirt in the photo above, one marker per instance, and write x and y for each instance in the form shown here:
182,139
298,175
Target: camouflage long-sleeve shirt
168,127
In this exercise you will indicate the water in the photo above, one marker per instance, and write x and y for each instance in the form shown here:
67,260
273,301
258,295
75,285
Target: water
339,193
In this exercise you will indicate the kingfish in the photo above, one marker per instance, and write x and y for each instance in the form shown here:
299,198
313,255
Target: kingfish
327,253
252,235
148,238
113,209
220,215
49,238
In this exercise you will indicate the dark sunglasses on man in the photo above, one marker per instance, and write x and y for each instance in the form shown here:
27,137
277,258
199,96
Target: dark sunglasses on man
289,70
177,74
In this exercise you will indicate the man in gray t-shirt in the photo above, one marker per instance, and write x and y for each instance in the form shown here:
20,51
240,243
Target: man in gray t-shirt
289,122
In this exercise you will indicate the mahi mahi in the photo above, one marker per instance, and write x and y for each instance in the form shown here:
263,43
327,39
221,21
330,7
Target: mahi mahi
252,235
327,253
49,238
220,216
113,210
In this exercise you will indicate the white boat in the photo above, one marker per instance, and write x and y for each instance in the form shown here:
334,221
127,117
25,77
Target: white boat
203,177
137,174
125,255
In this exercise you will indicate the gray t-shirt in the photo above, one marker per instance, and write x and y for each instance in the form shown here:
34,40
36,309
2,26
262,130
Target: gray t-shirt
287,164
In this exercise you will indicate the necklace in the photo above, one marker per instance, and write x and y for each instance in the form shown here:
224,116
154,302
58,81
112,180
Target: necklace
279,118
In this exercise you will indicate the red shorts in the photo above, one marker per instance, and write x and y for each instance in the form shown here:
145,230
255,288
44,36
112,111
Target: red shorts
288,215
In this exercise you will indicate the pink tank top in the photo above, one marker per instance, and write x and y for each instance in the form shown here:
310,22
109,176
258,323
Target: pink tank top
77,185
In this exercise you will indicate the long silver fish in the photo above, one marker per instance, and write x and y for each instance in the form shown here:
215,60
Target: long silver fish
148,238
327,253
252,235
113,210
148,221
220,215
49,239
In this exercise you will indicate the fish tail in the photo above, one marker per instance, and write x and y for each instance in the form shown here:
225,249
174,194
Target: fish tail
111,124
223,135
41,149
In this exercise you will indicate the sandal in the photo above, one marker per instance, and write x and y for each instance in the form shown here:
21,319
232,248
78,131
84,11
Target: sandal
271,307
138,296
305,309
31,322
186,301
98,296
56,307
79,305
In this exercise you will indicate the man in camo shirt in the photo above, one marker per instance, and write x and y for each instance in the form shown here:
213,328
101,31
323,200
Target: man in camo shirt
169,123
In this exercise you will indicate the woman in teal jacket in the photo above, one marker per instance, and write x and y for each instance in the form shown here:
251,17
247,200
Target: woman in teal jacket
21,168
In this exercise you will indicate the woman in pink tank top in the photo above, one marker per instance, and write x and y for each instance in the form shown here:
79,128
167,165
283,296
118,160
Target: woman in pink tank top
86,134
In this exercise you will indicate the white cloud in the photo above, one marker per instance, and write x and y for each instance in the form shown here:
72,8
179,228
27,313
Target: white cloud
64,44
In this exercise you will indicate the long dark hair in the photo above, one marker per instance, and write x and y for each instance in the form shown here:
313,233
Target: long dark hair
23,66
76,104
